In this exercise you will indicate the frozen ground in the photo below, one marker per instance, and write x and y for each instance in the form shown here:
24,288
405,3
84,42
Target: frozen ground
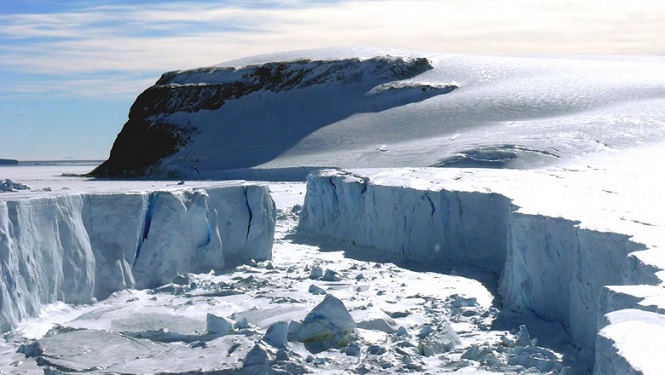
450,323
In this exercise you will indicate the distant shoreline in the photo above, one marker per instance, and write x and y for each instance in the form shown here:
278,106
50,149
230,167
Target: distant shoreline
8,162
24,163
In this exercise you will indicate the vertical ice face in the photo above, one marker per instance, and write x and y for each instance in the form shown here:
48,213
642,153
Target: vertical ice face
179,235
558,271
113,234
45,256
440,226
72,248
537,274
547,265
246,222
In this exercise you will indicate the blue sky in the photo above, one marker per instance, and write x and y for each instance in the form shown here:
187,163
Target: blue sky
71,69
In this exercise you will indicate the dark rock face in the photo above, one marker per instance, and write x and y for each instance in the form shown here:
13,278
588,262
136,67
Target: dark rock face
141,144
149,136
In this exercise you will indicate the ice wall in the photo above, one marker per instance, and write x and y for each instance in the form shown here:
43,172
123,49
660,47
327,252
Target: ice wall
547,265
439,226
558,270
77,247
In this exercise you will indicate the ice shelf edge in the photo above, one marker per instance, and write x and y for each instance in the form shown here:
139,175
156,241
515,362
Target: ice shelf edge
78,247
548,265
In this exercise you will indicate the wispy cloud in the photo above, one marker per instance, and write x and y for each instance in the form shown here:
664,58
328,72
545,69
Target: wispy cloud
123,43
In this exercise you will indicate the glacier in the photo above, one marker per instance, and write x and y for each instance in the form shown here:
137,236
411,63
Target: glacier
78,247
546,258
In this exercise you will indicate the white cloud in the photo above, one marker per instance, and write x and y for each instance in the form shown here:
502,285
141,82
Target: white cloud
152,39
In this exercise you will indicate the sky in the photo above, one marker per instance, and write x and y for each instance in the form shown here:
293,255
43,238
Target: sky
70,70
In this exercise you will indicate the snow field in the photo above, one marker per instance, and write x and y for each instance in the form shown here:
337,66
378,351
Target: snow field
547,265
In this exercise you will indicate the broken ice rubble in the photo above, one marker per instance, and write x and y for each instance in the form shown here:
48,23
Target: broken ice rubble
8,185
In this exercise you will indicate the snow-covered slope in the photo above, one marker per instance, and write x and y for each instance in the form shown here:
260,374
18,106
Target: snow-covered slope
224,118
386,108
559,243
79,246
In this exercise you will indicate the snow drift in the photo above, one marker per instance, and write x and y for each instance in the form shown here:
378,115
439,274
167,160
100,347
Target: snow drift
73,248
551,266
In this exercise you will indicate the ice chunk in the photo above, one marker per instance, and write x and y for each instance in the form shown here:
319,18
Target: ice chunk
9,185
401,331
476,353
241,323
523,338
534,357
259,358
217,325
374,319
91,351
316,290
441,340
353,349
328,325
330,275
316,273
277,334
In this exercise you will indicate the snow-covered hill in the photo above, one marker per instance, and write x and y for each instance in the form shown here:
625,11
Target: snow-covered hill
388,108
224,118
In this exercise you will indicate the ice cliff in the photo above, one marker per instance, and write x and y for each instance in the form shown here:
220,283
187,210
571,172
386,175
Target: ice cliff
551,266
76,247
